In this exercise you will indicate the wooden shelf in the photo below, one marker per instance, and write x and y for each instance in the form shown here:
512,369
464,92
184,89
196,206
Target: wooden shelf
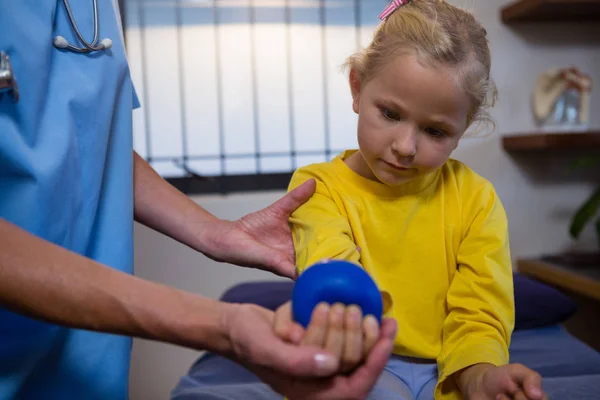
580,280
552,141
551,11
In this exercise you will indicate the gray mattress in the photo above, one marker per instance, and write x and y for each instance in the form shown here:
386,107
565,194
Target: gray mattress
571,370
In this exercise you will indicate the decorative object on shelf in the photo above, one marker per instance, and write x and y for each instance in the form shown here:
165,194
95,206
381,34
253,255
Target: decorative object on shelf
561,99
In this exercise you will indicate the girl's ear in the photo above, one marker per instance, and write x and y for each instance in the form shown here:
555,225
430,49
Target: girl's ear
355,86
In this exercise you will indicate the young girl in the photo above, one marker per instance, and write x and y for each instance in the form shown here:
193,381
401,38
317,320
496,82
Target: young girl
430,231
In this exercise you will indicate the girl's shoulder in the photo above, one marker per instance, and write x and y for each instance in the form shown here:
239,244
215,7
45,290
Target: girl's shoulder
468,184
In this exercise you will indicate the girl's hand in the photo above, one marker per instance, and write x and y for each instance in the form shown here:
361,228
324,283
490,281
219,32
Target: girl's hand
338,329
512,381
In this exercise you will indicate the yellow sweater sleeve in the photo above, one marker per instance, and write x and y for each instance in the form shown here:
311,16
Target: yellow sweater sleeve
480,300
320,230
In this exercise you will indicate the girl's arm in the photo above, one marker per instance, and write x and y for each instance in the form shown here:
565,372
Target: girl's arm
319,229
322,231
480,299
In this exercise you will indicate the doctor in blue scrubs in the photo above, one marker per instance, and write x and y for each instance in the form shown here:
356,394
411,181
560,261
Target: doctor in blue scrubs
70,188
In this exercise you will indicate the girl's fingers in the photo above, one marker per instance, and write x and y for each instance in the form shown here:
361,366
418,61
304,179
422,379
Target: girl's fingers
334,341
317,329
353,341
370,332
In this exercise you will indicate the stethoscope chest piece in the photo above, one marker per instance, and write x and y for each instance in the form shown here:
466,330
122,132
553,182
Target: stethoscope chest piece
8,83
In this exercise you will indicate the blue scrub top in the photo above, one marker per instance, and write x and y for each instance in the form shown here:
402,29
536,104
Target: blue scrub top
66,175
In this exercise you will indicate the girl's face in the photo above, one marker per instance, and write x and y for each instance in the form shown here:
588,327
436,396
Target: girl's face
410,119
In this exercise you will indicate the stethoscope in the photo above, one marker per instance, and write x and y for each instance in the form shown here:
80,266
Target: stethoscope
62,43
8,83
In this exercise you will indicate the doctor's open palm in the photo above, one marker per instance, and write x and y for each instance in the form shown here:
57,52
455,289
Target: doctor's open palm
263,238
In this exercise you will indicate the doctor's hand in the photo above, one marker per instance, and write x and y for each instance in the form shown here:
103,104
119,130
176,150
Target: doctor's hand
301,371
261,239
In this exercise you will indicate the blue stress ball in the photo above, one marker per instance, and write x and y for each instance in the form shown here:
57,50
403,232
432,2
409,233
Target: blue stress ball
335,282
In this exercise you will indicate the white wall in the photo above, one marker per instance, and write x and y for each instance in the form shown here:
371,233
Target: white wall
539,198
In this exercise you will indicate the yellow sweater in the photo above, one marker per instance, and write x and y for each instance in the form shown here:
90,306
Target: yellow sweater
437,245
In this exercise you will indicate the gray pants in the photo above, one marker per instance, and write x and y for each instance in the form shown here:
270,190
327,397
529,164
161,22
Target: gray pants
221,379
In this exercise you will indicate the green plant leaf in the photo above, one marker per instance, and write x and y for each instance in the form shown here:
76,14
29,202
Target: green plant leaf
585,213
598,230
584,162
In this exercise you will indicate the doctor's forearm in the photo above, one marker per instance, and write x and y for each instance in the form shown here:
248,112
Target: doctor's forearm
162,207
45,281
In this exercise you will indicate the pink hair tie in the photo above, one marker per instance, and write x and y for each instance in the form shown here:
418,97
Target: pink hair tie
393,6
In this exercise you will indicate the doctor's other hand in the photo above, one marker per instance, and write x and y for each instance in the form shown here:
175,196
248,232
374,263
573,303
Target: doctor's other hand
355,385
300,371
262,239
341,330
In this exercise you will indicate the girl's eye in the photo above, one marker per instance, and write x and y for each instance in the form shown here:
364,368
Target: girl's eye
436,133
389,114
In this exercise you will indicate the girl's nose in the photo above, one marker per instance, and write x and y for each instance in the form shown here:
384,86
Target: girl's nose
405,143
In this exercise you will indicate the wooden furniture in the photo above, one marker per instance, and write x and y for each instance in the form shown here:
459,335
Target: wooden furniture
582,284
552,141
584,281
551,10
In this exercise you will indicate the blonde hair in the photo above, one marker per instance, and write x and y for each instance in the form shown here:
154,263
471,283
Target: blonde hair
438,33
